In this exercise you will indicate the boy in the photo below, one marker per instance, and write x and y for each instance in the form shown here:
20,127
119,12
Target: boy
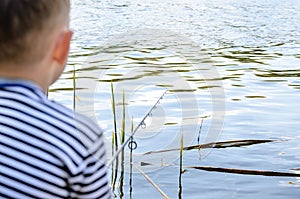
41,150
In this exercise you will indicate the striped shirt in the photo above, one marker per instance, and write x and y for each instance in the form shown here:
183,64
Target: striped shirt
46,150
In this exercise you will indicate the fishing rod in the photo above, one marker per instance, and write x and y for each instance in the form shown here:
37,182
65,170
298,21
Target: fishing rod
141,124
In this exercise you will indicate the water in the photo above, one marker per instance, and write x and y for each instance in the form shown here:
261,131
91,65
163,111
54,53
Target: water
255,48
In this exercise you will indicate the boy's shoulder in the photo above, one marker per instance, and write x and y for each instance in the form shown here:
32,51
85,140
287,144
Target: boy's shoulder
86,127
24,103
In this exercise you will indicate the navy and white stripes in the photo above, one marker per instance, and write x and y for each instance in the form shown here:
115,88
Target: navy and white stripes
47,151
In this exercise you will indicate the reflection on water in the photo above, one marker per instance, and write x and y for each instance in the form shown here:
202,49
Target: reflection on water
255,46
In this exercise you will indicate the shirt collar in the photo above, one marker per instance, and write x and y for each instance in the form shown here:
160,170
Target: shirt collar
22,83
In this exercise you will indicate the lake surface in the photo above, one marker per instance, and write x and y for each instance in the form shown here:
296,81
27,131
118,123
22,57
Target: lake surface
231,70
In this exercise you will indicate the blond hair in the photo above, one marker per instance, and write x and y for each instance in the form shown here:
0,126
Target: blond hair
24,27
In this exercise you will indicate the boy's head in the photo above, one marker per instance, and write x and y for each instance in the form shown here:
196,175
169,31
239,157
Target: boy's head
25,25
32,31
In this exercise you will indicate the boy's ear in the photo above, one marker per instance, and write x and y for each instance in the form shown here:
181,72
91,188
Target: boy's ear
62,47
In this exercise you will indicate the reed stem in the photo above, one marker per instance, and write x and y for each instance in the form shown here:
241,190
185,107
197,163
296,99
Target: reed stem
151,182
74,87
115,116
122,132
180,168
130,160
115,166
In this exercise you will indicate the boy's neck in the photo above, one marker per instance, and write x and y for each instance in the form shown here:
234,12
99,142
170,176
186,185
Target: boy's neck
26,73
